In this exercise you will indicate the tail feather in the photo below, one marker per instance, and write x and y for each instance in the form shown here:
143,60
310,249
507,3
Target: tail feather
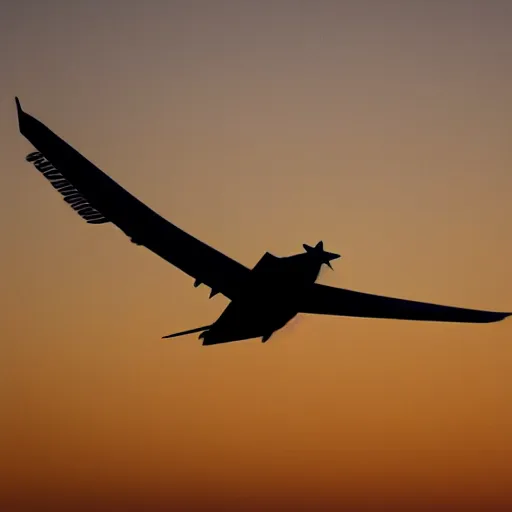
190,331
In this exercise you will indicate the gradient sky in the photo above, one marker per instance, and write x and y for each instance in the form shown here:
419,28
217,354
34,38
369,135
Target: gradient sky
382,128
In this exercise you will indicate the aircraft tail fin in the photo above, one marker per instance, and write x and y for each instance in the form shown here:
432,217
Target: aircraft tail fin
190,331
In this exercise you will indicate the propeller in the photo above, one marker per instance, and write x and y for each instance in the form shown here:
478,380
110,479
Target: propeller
319,253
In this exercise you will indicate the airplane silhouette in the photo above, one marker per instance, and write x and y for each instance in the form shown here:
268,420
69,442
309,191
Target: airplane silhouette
263,299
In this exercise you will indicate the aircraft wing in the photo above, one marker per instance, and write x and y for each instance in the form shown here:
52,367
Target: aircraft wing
327,300
98,199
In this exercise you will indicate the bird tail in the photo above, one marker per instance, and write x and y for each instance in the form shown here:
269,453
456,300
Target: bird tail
190,331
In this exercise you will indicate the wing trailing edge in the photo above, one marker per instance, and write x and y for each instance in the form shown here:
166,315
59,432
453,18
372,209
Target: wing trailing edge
70,193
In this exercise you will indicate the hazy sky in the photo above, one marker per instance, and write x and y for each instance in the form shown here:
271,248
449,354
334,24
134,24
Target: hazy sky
382,128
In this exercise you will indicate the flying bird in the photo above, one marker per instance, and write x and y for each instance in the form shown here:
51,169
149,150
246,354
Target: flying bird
262,299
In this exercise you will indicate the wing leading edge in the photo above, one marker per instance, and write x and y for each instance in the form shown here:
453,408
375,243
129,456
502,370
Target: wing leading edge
327,300
99,199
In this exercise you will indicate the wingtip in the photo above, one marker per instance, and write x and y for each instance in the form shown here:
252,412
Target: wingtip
21,114
501,316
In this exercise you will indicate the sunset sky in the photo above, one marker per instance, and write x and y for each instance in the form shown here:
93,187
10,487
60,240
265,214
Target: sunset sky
384,129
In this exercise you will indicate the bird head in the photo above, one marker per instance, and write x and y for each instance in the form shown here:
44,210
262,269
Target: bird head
323,257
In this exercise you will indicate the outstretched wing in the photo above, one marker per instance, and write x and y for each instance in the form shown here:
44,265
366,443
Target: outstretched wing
99,199
326,300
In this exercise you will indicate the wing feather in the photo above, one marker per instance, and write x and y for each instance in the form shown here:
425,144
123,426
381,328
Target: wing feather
71,195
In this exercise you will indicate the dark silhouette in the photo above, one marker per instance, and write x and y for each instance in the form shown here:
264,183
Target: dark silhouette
263,299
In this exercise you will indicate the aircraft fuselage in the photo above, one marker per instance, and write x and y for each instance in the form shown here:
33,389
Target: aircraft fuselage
245,319
268,301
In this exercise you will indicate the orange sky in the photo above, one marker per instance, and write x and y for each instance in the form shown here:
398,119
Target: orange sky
382,128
